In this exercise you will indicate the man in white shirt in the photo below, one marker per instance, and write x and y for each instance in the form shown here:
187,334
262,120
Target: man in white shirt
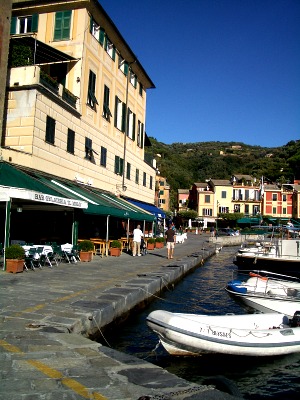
137,237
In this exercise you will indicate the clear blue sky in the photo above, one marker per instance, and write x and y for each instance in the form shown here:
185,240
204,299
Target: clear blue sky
224,70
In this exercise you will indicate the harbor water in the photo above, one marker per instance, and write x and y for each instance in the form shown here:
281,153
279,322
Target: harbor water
203,292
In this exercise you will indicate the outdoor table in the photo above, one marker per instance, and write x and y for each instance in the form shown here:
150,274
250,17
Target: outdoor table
100,245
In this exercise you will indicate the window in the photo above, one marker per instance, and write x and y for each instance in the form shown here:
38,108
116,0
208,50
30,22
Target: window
161,192
141,89
110,48
274,196
89,152
207,198
137,176
140,134
255,210
103,155
144,179
106,111
50,130
223,194
91,99
24,24
223,210
123,66
237,208
131,124
119,164
274,210
284,210
161,183
247,194
120,109
207,212
70,141
284,197
133,79
162,201
128,170
97,31
62,27
151,182
246,208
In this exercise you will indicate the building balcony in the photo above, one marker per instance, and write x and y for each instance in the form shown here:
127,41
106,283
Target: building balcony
242,199
32,76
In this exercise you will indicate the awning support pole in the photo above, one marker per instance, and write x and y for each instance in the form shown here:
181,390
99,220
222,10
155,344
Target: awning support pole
107,234
127,235
7,230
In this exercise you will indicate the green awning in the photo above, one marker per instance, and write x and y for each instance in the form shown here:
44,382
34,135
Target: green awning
93,201
249,220
18,184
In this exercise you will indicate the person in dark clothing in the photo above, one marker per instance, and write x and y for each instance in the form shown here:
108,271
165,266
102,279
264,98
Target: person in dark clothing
170,238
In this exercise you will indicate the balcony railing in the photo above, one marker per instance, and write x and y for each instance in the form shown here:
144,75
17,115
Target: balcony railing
69,97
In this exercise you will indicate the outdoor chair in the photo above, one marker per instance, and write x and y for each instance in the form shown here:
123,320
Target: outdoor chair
32,259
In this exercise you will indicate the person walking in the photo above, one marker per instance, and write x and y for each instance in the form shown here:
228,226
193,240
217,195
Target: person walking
137,238
170,238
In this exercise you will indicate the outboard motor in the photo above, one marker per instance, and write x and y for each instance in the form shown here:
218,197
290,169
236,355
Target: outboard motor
295,321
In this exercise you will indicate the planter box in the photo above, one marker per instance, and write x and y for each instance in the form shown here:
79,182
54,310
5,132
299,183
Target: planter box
150,246
14,266
159,245
115,252
86,256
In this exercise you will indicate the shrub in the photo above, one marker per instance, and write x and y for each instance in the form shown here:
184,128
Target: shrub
151,240
160,239
14,252
86,245
116,244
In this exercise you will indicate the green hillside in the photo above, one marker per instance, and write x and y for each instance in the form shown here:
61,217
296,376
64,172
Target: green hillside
185,163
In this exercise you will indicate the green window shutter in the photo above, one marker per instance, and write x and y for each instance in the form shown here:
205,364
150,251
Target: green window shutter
35,22
121,166
13,25
133,132
126,68
117,160
123,116
142,136
101,36
116,111
62,25
67,24
58,25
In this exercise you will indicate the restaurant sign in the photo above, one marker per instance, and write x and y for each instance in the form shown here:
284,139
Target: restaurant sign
25,194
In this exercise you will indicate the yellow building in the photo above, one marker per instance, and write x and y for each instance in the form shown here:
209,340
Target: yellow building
73,139
162,193
77,99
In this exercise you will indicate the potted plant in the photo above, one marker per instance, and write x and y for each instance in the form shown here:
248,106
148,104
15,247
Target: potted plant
151,244
115,248
159,242
14,257
86,248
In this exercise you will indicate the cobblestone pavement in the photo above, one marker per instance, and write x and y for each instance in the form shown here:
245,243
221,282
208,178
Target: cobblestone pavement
48,316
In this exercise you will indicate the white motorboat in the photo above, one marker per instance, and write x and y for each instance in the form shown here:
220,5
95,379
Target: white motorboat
276,255
267,294
246,335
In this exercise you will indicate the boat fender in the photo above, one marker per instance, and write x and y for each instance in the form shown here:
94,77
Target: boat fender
223,384
253,275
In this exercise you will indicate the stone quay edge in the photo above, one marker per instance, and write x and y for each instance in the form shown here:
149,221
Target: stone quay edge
49,316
